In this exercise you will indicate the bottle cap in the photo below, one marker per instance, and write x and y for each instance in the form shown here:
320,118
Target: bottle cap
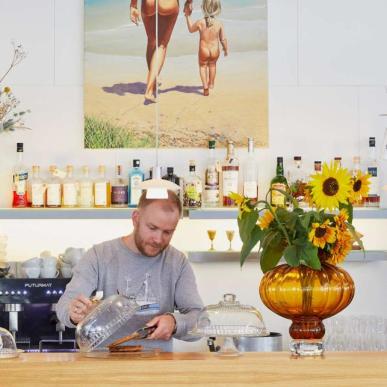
101,169
338,158
170,170
211,144
52,168
297,158
136,163
280,159
19,147
372,141
35,168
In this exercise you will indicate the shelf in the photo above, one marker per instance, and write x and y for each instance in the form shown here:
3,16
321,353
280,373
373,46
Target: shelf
126,213
234,256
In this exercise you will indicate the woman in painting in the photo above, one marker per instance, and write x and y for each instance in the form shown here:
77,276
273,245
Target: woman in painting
167,13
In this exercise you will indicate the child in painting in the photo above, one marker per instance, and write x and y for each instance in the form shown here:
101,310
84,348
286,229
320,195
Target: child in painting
211,33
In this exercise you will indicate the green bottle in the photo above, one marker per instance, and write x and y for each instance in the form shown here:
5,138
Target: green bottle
279,181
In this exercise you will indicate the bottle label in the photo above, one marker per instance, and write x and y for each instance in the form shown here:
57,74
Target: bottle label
135,190
211,195
20,180
120,195
37,194
277,198
100,194
212,177
69,194
230,182
53,194
86,194
374,181
250,189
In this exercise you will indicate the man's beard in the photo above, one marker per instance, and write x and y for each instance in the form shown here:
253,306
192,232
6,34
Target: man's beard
141,246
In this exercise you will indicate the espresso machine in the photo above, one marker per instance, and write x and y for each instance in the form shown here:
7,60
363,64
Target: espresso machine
27,310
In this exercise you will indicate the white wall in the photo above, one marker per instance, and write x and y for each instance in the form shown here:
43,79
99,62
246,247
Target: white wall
327,69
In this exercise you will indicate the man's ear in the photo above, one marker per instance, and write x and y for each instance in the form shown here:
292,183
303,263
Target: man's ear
135,217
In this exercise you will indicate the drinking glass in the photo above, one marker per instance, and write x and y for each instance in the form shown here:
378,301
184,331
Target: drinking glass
211,235
230,236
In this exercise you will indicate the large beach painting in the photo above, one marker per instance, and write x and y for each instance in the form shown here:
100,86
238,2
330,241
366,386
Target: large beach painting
186,73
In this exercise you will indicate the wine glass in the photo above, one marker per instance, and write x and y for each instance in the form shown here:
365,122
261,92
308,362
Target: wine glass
230,236
211,235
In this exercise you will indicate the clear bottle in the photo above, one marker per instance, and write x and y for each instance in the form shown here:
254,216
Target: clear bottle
192,188
211,185
230,175
354,172
20,179
37,188
297,180
70,189
136,176
279,182
101,189
383,173
338,160
86,192
119,190
317,167
373,199
250,173
170,176
53,189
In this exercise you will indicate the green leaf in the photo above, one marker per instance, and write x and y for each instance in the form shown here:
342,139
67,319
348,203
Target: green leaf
248,244
291,256
308,254
246,224
272,250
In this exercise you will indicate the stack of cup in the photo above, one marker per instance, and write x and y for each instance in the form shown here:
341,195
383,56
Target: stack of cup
31,267
3,247
69,259
48,267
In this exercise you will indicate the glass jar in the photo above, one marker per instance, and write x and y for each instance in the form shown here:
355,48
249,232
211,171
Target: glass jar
7,345
108,316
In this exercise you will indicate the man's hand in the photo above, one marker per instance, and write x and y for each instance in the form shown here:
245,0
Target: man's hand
134,15
165,326
188,8
79,308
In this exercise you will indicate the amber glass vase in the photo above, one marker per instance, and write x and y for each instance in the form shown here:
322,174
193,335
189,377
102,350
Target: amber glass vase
306,297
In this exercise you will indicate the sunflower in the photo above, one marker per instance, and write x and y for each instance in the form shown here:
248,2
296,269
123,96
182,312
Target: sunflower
340,220
321,234
331,187
359,187
266,219
242,202
341,248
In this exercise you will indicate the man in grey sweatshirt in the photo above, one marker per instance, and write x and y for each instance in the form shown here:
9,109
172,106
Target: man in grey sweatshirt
141,265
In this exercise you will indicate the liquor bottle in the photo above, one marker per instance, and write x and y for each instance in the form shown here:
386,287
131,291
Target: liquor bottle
337,160
20,178
53,189
317,167
230,175
211,185
69,189
101,189
383,173
136,176
250,173
354,172
119,190
192,188
297,180
86,192
170,176
373,198
37,188
279,182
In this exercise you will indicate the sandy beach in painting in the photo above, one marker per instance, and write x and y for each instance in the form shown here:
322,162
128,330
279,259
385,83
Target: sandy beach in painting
236,108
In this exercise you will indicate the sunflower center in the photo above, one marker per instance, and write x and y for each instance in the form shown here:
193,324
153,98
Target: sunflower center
357,186
320,232
330,186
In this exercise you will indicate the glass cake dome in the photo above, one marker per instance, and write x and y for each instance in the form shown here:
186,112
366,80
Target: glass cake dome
7,345
229,319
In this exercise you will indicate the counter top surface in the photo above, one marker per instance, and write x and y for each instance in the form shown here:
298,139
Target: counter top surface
182,369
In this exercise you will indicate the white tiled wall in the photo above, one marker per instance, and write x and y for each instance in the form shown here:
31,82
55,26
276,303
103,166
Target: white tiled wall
327,73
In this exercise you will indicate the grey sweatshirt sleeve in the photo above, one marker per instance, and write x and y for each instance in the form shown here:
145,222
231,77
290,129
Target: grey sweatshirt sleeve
84,281
187,302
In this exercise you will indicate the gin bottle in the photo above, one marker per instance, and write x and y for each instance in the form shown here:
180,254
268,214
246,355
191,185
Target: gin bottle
192,188
211,187
86,194
373,198
250,173
37,188
230,175
70,189
136,176
20,177
101,189
119,190
279,182
53,188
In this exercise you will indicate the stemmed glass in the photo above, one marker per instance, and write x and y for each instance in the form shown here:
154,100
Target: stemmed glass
230,236
211,235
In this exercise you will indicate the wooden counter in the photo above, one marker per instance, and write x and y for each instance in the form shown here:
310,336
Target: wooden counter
181,369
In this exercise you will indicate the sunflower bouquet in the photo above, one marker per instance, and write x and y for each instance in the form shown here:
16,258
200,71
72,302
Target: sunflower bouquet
323,233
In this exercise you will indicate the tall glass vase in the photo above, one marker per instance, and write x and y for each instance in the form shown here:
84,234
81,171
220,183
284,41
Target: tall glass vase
306,297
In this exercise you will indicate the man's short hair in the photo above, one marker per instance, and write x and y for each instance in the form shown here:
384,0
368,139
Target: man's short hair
173,202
